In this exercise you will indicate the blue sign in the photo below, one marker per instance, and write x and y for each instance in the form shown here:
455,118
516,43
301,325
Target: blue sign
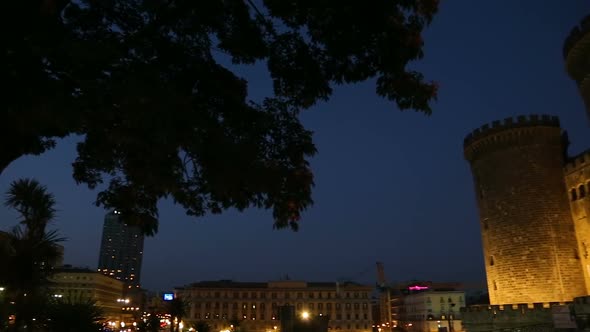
168,296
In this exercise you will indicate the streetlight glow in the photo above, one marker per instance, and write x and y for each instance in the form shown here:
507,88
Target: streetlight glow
305,315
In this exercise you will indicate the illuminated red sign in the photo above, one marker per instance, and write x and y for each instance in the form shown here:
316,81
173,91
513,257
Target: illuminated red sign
418,287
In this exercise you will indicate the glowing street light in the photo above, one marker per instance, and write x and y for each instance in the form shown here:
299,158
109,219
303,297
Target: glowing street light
305,315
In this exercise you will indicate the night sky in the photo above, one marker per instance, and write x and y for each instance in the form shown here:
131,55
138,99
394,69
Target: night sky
390,186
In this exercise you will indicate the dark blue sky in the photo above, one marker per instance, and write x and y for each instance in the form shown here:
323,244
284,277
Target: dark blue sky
390,186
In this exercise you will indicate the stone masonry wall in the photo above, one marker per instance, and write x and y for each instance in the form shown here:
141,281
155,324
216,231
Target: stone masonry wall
521,317
577,181
529,245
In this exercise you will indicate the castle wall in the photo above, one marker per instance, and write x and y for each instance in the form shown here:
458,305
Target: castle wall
519,317
577,181
527,230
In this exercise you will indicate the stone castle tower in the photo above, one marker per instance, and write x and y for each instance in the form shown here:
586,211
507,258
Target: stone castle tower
529,241
576,51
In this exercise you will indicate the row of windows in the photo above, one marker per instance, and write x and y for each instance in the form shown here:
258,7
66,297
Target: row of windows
224,316
216,327
312,306
285,295
70,291
348,327
76,277
442,316
442,300
413,309
429,300
579,193
275,311
74,285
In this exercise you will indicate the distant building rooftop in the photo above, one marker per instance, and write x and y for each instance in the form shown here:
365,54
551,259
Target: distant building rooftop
74,269
270,284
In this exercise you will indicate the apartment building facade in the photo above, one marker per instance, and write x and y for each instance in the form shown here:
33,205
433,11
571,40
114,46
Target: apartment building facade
432,311
255,305
81,284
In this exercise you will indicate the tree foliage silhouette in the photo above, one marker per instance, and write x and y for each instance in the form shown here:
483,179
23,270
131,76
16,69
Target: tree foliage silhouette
30,250
67,315
178,309
160,116
34,203
202,326
151,324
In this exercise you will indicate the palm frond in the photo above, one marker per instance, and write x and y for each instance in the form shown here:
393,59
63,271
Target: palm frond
80,315
33,202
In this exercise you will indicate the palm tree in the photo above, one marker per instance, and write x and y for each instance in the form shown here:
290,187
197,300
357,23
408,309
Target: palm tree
74,316
29,250
25,282
152,324
35,205
177,308
202,326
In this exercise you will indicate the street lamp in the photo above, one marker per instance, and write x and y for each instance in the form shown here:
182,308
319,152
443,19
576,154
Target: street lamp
450,316
305,315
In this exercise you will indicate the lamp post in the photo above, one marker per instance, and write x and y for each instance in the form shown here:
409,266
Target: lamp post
3,309
450,315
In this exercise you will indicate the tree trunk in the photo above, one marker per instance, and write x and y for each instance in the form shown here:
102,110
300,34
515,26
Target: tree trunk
179,318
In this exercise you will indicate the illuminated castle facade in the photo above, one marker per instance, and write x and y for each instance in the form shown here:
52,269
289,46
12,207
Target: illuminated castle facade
534,200
532,242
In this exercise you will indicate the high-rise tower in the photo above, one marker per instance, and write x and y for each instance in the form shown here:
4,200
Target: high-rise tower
529,242
121,251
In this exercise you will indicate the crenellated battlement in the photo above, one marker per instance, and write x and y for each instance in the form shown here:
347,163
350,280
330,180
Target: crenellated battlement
577,33
518,307
522,121
522,316
577,162
517,166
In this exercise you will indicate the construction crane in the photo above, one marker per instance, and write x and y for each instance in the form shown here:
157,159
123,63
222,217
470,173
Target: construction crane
384,298
344,280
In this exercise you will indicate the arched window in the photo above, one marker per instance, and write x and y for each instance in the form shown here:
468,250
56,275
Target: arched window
574,195
582,191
